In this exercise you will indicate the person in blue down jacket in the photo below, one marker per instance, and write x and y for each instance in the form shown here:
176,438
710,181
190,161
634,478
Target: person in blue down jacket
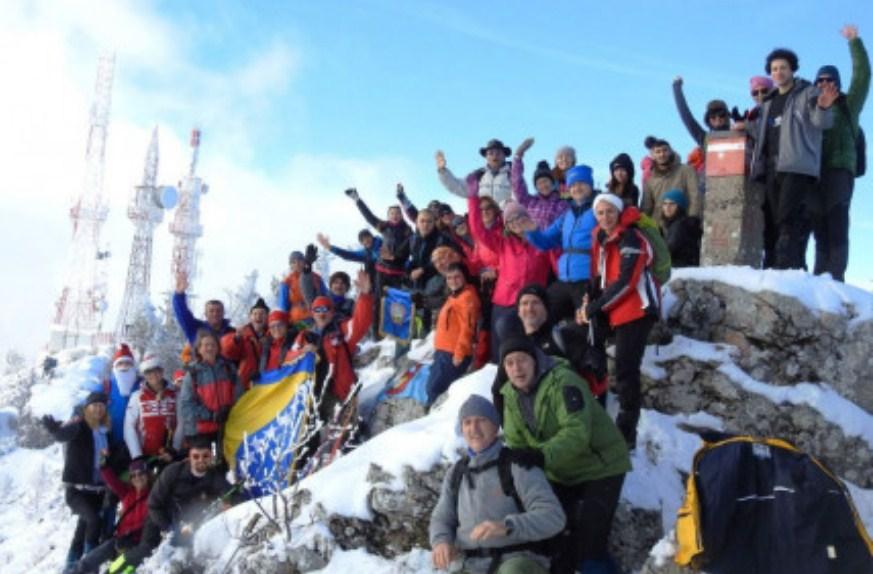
571,231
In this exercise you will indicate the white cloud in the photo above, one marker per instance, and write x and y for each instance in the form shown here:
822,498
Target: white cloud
252,219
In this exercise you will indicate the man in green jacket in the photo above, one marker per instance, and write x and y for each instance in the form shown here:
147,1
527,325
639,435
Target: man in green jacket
552,420
839,161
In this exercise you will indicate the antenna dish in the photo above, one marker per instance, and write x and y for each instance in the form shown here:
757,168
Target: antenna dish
166,197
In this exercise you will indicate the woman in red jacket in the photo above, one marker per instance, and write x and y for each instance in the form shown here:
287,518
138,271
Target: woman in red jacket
519,262
624,294
134,510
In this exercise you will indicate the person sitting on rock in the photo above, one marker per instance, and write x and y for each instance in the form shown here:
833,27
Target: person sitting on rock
681,232
186,494
492,512
552,421
134,510
455,333
301,286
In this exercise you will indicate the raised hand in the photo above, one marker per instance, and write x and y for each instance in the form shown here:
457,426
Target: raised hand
678,80
323,240
181,282
352,193
849,32
440,158
400,192
362,282
523,147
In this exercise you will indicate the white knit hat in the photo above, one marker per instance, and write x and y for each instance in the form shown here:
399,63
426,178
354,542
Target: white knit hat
610,198
150,360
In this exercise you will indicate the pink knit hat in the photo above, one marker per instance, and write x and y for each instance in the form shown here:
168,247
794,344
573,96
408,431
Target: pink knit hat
759,82
513,210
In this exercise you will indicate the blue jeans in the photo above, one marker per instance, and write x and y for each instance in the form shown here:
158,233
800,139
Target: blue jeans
443,373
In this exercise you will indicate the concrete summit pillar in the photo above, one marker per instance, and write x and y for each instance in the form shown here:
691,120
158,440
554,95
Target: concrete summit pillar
733,221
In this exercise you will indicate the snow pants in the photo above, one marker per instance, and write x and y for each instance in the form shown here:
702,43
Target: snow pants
443,373
830,225
87,506
590,507
788,195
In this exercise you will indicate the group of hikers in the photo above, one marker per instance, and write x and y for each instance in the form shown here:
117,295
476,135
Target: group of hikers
536,282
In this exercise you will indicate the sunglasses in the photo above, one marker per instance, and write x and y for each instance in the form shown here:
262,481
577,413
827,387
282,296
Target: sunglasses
321,309
824,79
489,208
138,473
761,92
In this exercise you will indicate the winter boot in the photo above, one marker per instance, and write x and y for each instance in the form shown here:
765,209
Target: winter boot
120,566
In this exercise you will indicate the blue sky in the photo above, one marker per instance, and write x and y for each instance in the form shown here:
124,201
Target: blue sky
299,100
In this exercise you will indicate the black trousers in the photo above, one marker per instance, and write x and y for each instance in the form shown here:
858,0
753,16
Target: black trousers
87,506
789,195
151,539
564,298
106,551
630,345
590,507
830,224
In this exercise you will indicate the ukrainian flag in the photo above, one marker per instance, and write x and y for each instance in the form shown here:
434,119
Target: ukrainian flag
266,422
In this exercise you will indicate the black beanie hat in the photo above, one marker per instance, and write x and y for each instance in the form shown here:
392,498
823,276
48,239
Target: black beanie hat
543,170
622,160
260,304
96,397
782,54
533,289
830,72
515,343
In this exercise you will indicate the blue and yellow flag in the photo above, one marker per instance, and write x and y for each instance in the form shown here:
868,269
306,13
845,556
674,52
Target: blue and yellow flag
265,423
397,315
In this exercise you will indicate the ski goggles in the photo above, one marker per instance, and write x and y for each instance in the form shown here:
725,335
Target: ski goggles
321,309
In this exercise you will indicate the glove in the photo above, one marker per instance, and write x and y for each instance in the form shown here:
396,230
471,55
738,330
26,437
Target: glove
735,114
527,457
353,193
309,257
401,195
51,424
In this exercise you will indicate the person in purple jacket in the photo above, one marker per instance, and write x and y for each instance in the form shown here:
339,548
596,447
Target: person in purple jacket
546,205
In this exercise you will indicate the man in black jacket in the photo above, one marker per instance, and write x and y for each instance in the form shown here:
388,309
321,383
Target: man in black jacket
186,494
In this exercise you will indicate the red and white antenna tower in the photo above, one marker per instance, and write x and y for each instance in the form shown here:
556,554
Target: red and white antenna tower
186,223
82,302
146,210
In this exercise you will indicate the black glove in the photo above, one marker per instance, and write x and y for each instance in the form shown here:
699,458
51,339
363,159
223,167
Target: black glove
401,195
309,257
527,457
353,193
51,424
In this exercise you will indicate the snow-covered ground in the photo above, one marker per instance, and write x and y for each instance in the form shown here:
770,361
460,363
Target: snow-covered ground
36,526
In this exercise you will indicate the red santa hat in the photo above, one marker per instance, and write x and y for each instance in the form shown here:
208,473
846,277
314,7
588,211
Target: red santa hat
122,354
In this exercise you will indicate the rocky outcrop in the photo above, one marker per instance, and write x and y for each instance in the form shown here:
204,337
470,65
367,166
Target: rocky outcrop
779,339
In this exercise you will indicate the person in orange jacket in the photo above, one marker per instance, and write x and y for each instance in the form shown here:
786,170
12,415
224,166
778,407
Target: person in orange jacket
301,286
335,341
455,333
243,347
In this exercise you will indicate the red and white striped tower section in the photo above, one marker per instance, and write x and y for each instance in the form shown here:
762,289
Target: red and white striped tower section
186,223
80,307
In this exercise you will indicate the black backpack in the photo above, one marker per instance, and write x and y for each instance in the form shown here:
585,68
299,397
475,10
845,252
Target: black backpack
860,142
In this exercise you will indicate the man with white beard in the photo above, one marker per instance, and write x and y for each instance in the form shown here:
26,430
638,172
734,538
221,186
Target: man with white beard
123,381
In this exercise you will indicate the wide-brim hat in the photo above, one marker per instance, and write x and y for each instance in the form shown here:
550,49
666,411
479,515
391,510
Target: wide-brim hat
495,144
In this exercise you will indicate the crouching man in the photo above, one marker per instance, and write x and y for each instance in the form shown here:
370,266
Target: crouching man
492,515
185,495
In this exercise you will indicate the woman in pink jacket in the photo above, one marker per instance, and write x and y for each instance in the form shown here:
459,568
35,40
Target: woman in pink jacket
519,262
